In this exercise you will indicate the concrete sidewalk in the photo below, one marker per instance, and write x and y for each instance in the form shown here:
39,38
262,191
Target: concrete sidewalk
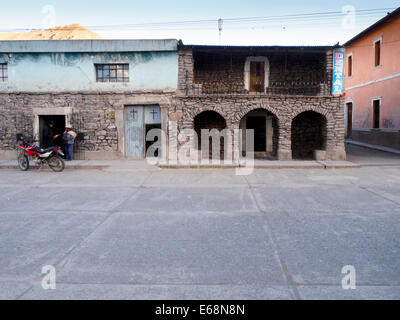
143,165
115,165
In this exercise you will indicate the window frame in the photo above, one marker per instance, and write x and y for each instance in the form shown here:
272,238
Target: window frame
109,69
4,70
377,40
247,70
350,70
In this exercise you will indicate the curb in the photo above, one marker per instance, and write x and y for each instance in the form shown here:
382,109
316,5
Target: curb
321,166
6,167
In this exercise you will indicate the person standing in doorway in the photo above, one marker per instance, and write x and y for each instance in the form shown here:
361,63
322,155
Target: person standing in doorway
69,137
48,135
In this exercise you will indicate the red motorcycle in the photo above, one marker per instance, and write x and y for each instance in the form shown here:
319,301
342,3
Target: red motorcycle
51,157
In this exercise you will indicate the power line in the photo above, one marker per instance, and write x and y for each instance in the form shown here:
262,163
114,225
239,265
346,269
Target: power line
202,24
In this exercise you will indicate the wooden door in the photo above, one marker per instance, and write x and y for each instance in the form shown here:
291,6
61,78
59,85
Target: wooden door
134,132
257,76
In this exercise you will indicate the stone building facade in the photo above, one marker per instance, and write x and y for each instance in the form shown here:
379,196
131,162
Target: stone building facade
98,118
282,93
59,81
303,119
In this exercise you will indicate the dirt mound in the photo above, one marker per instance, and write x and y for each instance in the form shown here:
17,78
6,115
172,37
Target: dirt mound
69,32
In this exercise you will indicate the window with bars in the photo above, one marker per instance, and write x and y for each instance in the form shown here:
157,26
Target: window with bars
112,72
3,72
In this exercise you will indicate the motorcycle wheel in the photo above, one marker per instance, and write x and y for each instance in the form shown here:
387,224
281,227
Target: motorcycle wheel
23,162
56,164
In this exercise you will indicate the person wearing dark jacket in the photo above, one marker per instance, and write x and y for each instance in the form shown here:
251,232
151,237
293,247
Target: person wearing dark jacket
48,135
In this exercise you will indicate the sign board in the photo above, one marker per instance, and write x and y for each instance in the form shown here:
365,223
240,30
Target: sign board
338,72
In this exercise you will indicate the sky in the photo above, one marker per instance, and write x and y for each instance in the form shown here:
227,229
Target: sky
132,19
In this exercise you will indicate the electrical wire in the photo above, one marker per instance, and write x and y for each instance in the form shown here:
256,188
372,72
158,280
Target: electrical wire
228,23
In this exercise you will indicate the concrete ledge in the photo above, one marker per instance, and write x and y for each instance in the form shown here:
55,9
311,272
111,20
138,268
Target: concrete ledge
126,165
339,165
260,164
67,167
373,146
107,155
8,154
113,165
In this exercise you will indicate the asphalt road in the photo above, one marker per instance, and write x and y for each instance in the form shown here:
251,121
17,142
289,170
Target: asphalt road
200,234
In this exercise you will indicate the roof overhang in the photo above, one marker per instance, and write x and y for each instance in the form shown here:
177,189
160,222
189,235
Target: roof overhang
256,49
393,15
87,46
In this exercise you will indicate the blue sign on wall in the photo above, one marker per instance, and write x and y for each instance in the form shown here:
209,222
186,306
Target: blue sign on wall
338,71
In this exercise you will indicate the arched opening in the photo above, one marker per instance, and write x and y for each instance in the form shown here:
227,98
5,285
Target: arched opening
209,120
309,131
266,133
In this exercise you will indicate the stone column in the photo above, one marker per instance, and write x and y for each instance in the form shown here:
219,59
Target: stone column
285,141
186,71
326,89
164,128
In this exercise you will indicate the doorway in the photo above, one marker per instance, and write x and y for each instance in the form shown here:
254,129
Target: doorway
376,121
264,126
58,129
349,120
210,120
139,121
258,124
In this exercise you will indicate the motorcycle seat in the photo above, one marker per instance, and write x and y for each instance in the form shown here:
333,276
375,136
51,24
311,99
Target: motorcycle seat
43,151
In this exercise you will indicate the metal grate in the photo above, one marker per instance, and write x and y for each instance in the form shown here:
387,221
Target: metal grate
3,72
77,122
112,72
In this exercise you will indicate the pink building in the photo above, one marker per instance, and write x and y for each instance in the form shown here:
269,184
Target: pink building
372,83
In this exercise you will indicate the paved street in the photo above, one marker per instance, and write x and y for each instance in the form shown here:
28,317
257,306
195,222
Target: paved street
201,234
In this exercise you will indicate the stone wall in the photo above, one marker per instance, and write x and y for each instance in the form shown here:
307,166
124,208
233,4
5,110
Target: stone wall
381,137
97,117
285,109
186,70
224,72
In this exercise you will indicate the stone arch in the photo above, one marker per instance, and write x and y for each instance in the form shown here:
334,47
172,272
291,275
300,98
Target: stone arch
247,109
266,128
199,112
210,120
191,113
316,109
309,134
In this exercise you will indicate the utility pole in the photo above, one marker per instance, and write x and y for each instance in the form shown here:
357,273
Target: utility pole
220,25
